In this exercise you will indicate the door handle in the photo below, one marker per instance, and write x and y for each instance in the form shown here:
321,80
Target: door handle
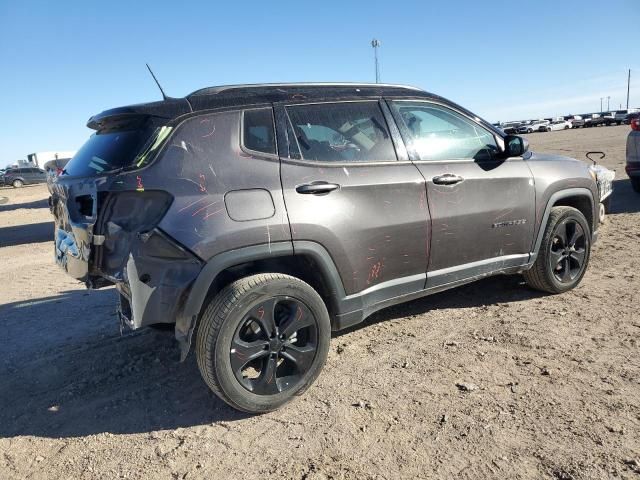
317,188
447,179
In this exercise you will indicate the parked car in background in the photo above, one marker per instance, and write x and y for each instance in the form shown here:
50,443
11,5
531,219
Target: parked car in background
534,126
576,121
260,240
18,177
560,125
2,172
510,128
609,118
624,115
632,166
631,117
592,120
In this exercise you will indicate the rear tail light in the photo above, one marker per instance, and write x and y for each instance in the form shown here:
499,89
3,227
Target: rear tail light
635,124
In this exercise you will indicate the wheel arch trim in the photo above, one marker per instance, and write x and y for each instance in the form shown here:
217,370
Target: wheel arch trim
555,197
197,294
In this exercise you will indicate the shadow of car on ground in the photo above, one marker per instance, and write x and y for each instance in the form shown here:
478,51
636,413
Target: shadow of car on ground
26,233
624,199
68,372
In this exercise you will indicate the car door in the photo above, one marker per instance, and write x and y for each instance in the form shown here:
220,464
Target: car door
25,174
482,209
32,174
347,190
38,176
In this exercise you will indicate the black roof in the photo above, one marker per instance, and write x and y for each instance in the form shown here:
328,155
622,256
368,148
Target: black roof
232,95
253,94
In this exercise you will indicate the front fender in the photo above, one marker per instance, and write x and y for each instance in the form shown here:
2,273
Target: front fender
554,198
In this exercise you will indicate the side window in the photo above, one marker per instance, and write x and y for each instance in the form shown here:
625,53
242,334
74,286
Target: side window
341,132
258,130
437,133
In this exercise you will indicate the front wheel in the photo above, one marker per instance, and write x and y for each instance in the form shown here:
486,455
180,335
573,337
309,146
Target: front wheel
263,340
564,252
17,183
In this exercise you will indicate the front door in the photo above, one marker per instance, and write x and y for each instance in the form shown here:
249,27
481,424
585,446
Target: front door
482,208
346,189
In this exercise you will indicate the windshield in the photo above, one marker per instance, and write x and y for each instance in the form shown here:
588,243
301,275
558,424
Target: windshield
112,150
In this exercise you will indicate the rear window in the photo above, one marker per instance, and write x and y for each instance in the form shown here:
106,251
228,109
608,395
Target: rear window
259,130
112,150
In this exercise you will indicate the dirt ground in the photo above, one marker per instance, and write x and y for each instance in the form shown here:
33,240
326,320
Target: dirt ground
558,377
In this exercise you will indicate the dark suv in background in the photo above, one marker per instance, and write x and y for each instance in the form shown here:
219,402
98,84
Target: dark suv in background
18,177
261,217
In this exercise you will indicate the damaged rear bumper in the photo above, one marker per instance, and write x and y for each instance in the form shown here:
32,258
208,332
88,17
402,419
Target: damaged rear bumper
155,280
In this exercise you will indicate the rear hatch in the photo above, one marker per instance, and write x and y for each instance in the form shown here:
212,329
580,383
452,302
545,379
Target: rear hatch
118,145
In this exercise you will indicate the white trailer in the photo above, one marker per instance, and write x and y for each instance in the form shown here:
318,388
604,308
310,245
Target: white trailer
38,159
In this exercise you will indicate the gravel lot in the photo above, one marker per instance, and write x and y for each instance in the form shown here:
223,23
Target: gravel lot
557,377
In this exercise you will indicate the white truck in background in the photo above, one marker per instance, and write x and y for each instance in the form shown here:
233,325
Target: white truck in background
38,159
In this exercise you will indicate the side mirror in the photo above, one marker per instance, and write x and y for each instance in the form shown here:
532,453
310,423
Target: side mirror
515,146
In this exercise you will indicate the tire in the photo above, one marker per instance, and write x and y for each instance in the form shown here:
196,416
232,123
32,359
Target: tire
17,183
635,184
236,321
561,264
529,130
566,127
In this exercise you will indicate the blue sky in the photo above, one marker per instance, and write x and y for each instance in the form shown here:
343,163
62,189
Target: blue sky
63,61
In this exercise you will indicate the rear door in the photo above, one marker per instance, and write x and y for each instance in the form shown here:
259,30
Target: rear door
346,189
482,210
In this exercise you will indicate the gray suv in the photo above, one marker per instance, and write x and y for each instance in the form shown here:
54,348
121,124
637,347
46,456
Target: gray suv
259,218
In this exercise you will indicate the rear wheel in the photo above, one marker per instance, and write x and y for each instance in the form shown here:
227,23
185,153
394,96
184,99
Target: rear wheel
635,184
263,340
17,183
564,252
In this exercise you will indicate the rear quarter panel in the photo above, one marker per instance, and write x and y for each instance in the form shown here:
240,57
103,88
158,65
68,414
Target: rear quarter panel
201,164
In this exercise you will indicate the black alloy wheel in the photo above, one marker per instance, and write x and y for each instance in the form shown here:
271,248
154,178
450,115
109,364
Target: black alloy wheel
568,251
262,340
274,346
563,256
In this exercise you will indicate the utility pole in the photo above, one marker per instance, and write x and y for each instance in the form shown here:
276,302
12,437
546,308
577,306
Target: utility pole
376,44
601,98
628,85
608,103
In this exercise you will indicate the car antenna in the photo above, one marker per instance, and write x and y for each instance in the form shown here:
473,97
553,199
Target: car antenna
164,97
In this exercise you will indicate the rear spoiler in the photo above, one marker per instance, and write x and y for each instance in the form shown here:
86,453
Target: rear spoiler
123,116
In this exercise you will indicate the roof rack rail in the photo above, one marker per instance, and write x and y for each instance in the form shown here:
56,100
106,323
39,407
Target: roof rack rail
219,89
